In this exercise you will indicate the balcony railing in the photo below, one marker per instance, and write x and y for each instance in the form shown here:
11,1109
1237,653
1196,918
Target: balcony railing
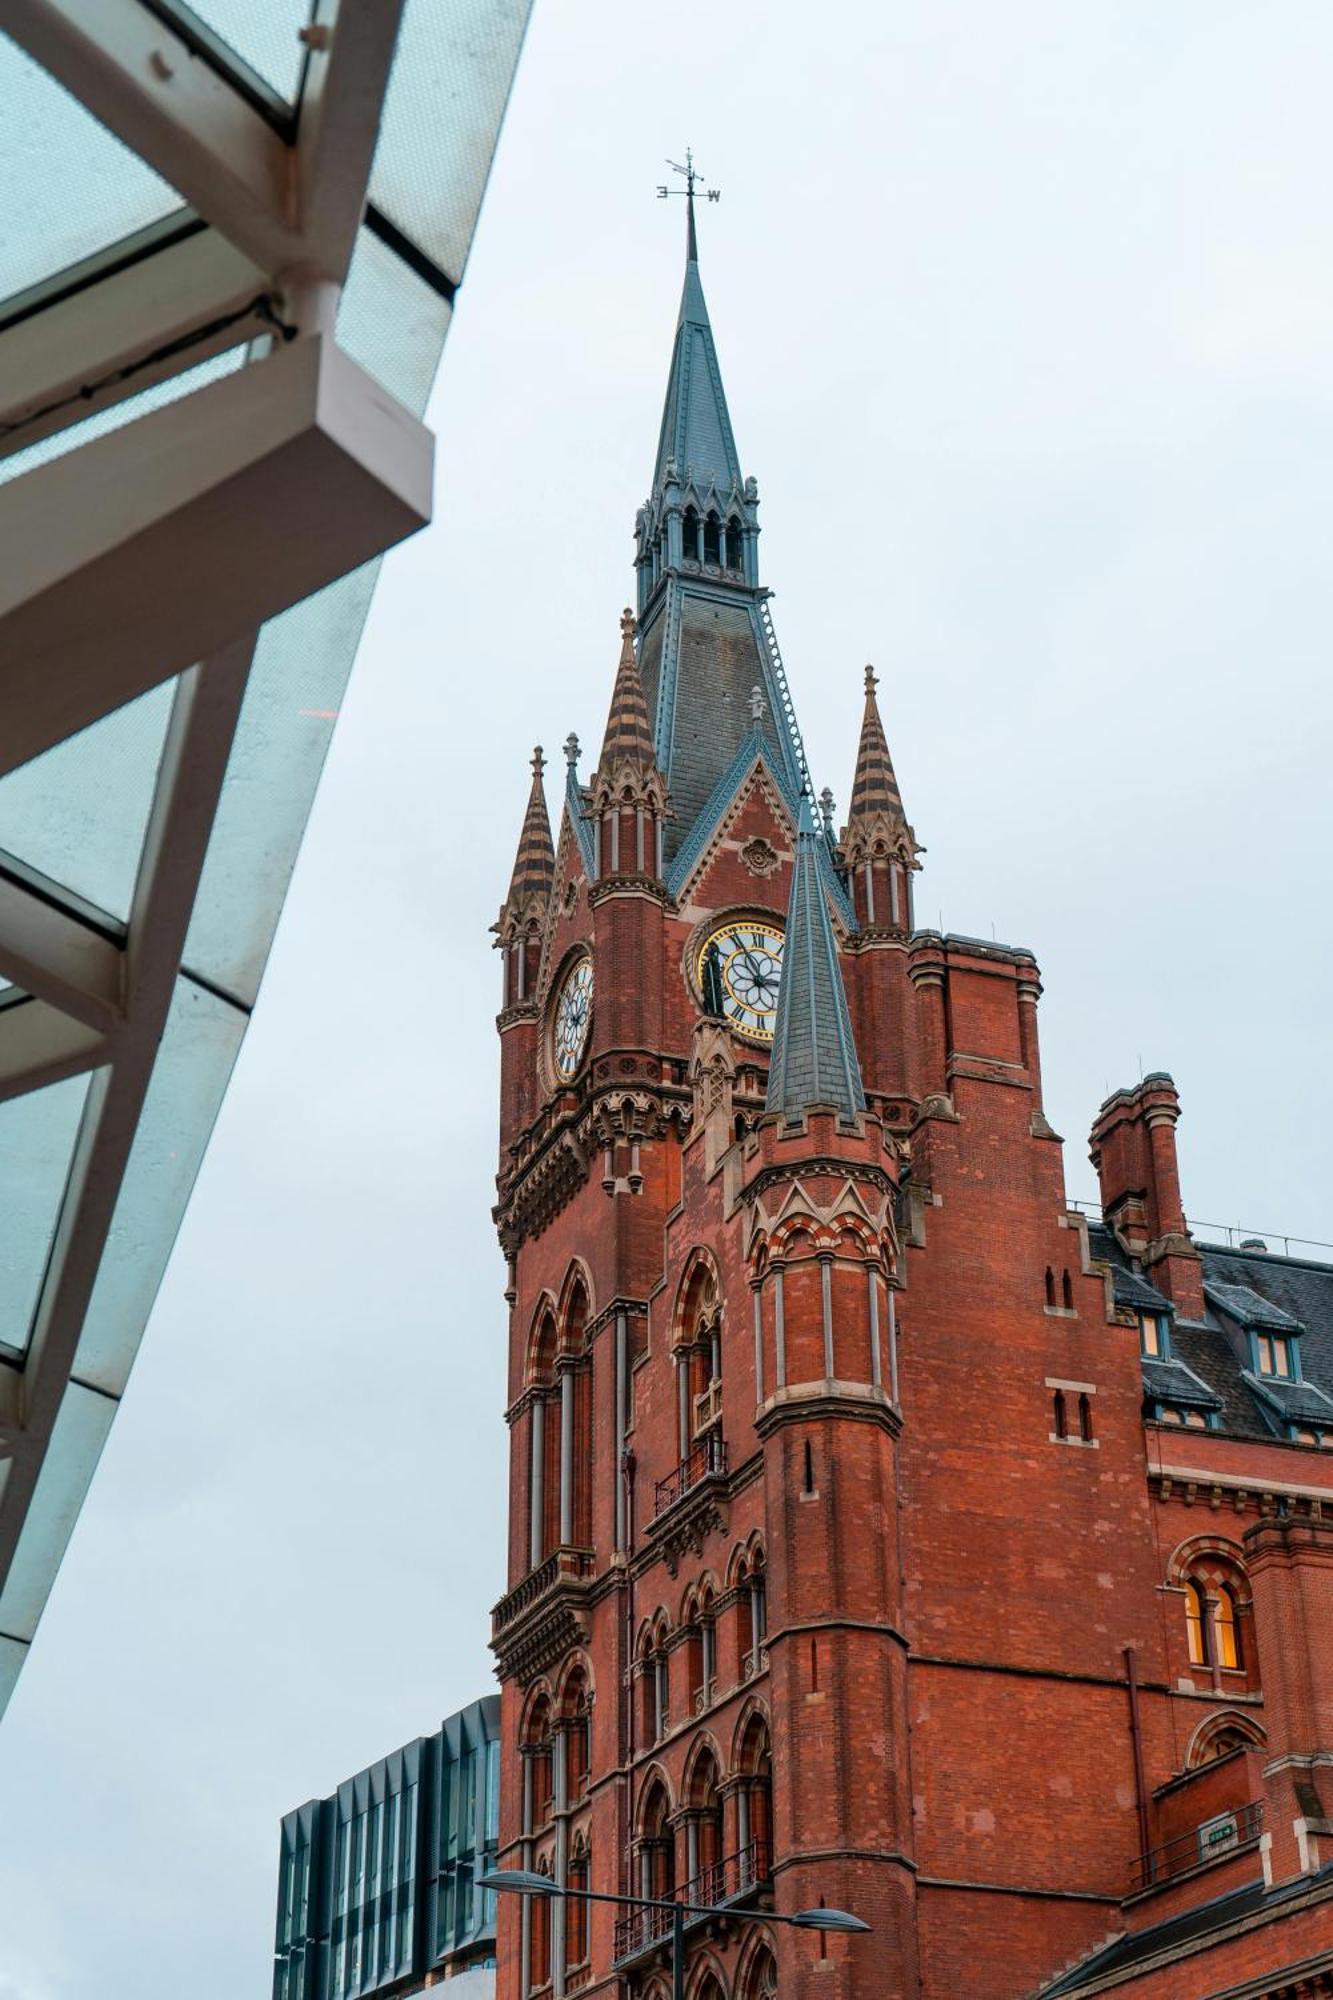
1224,1834
708,1459
712,1887
564,1562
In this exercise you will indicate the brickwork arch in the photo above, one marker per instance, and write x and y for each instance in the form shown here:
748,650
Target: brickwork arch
543,1340
751,1737
656,1785
743,1556
1226,1729
1194,1552
574,1685
703,1769
698,1298
707,1980
757,1973
576,1308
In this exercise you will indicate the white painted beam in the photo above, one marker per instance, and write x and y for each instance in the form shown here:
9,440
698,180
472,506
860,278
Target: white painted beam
50,953
166,541
346,78
40,1045
51,361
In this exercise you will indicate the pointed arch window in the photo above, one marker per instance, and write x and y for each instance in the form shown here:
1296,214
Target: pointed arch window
689,534
1196,1624
1059,1415
712,538
735,544
1050,1288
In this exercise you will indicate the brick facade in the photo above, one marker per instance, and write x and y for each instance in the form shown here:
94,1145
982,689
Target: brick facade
844,1565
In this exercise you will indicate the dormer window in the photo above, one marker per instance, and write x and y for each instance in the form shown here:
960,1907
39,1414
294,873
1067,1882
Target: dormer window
1154,1336
1273,1355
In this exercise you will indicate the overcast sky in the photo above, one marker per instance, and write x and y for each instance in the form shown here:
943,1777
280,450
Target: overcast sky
1025,315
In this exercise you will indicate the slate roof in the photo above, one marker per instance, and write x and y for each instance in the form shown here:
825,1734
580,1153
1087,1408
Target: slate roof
1292,1295
1136,1946
696,427
814,1056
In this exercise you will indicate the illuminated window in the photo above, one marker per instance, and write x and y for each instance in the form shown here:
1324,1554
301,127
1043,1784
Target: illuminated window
1170,1416
1274,1355
1227,1628
1196,1624
1305,1437
1150,1335
1196,1420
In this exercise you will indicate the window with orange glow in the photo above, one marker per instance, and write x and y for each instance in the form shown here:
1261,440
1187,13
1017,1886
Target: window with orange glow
1196,1627
1227,1628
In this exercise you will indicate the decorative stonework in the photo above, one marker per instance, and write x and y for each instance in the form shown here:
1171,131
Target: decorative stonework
760,857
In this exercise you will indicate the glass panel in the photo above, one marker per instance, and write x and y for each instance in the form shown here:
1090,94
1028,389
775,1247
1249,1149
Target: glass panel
79,811
395,327
70,186
37,1135
265,34
77,1437
116,415
199,1046
451,76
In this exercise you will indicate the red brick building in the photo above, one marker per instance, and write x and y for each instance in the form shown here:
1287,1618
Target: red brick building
883,1532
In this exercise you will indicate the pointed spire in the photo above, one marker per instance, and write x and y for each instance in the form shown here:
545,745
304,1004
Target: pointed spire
534,864
629,733
814,1056
627,794
879,850
874,788
696,440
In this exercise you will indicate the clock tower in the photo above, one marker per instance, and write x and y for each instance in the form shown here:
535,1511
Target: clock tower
753,1124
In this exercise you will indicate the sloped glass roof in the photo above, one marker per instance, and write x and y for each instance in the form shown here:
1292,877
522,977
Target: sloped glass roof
70,187
144,859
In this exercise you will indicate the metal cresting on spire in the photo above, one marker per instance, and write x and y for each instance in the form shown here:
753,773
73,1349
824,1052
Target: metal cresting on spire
693,179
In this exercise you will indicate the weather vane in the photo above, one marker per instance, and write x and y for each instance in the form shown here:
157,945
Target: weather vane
693,179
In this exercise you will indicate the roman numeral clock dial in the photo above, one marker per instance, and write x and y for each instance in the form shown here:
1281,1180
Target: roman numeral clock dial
571,1019
739,971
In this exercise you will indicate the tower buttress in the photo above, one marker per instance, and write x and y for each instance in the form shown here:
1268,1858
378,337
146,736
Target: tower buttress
519,930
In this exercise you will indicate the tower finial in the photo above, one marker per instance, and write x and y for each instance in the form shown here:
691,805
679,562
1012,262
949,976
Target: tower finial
692,178
872,680
538,762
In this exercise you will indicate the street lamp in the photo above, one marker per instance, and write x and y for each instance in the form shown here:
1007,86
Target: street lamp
526,1882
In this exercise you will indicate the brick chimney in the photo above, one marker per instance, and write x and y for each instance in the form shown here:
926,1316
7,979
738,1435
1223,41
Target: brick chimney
1290,1564
1133,1147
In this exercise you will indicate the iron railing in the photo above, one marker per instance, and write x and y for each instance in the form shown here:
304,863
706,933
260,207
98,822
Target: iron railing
1223,1834
712,1887
708,1458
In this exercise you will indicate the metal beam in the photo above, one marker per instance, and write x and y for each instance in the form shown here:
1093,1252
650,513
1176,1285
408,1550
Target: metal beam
144,83
165,541
40,1045
51,954
351,54
118,336
199,739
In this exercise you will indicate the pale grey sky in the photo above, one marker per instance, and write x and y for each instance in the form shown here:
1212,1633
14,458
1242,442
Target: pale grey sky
1026,320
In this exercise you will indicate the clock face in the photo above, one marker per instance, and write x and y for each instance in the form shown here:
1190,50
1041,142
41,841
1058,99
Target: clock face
572,1020
739,972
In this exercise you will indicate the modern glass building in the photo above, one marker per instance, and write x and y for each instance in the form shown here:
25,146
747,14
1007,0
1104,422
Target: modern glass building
377,1884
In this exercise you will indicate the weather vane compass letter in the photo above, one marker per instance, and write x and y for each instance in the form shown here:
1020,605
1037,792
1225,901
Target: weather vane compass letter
693,180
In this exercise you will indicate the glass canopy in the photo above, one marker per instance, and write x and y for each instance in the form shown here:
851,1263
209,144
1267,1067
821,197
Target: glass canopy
153,796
